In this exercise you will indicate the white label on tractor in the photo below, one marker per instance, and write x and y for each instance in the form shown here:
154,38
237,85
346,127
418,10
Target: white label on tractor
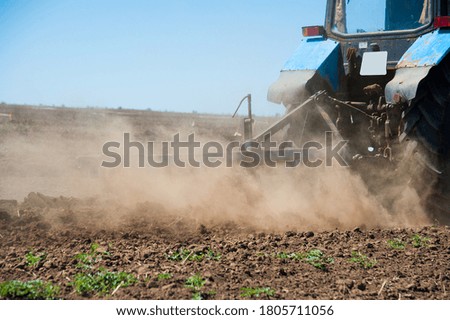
374,63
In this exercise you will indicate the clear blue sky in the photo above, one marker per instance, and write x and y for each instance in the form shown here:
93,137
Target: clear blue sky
174,55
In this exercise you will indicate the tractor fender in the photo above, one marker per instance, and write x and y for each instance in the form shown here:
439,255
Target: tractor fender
315,65
426,52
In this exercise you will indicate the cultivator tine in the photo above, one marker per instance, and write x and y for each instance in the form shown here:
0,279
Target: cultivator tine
329,122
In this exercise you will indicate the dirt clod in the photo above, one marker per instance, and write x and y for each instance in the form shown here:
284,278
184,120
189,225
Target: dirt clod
309,234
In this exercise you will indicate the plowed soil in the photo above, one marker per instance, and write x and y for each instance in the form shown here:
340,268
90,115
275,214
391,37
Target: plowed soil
247,258
144,237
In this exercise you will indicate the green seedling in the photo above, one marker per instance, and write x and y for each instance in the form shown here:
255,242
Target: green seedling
94,247
32,260
179,255
211,255
195,282
185,254
164,276
86,260
290,256
102,282
198,256
317,259
313,257
197,295
29,290
257,292
419,241
396,244
362,260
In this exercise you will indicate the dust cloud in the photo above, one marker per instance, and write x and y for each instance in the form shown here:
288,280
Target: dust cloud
63,159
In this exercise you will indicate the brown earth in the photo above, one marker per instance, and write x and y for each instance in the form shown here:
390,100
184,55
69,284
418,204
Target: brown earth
140,221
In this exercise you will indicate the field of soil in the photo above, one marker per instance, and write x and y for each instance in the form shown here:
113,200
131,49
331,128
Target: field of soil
216,234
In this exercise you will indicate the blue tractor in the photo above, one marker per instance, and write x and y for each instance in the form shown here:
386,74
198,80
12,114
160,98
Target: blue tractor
377,75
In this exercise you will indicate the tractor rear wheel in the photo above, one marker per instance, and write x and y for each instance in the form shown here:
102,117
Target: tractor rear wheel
429,120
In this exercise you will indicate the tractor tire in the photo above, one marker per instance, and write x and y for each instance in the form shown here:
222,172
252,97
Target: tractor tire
428,124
